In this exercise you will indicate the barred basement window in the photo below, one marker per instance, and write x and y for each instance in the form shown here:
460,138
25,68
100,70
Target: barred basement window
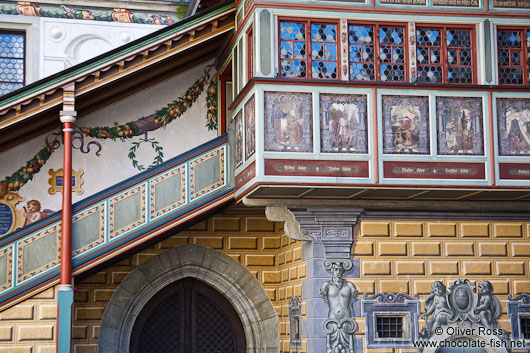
377,53
389,326
525,326
308,49
445,55
12,50
513,52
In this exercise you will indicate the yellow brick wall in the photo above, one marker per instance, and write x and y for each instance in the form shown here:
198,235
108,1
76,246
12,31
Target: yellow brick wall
407,256
256,243
30,327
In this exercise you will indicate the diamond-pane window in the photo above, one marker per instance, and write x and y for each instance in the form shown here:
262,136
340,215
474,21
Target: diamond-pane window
12,49
513,51
445,55
295,39
377,52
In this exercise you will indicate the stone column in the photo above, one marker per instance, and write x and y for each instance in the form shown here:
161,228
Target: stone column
330,234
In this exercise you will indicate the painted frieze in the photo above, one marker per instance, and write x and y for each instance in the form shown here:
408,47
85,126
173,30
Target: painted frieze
250,128
239,138
460,121
405,124
288,122
343,123
513,4
513,119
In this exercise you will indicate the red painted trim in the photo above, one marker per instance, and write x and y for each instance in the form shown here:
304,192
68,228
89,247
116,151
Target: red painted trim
507,171
250,54
66,231
445,170
385,10
296,167
492,147
375,136
395,186
222,113
245,175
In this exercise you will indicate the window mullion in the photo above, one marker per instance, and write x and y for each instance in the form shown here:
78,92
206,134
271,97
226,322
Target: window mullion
444,58
377,58
308,50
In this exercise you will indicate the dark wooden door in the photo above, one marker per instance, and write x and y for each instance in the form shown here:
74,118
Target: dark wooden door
188,317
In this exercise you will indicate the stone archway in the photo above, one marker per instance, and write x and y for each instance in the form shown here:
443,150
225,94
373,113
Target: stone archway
227,276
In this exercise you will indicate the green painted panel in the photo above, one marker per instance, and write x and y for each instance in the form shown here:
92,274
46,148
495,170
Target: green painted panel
207,173
127,211
40,253
167,192
3,270
86,231
265,42
488,57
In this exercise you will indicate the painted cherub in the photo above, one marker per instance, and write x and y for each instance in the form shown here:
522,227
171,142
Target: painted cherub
437,303
489,307
33,212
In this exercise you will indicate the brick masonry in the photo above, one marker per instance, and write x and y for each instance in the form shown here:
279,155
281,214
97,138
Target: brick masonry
30,327
407,256
259,245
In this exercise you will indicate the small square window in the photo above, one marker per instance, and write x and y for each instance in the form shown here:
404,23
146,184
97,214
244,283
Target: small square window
389,326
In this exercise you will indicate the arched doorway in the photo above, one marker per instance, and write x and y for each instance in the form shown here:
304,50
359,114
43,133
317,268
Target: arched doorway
188,316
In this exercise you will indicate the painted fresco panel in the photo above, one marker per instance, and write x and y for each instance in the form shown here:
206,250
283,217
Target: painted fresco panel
238,120
288,122
405,124
250,128
460,122
513,119
343,123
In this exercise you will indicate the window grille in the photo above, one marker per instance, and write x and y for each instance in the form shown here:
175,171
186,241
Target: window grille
389,326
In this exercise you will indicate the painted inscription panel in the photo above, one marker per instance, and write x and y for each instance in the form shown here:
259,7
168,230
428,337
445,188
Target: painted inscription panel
250,128
239,138
288,122
457,3
513,119
460,121
403,2
343,123
513,4
405,124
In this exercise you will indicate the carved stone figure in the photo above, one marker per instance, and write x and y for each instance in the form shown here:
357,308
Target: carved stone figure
339,293
437,303
489,307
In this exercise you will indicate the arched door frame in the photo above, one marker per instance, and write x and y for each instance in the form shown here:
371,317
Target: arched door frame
219,271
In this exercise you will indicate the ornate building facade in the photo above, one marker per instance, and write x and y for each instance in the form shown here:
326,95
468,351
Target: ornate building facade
275,176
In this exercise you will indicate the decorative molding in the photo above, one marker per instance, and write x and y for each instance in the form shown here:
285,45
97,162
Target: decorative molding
291,226
517,308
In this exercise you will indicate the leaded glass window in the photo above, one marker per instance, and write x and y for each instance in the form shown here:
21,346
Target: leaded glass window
445,55
295,39
12,50
377,52
513,51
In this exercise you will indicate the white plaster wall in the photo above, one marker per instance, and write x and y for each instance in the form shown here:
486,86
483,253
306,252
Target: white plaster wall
65,42
113,165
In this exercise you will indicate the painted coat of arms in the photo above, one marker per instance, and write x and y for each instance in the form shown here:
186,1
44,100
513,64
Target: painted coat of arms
406,124
288,122
343,123
250,128
513,119
460,125
239,138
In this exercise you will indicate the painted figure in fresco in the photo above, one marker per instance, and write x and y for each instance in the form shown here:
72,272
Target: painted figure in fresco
437,303
287,127
33,212
250,131
338,292
489,307
450,134
467,131
239,140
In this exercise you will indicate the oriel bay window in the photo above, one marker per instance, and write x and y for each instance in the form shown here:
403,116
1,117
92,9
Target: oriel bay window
308,49
377,52
445,54
513,53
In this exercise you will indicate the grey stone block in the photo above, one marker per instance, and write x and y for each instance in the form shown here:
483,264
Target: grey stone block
170,259
118,307
316,345
152,268
108,339
316,308
313,328
135,282
311,288
358,343
270,333
312,250
191,254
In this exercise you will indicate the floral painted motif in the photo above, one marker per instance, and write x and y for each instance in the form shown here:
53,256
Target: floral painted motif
343,123
288,122
406,124
459,121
